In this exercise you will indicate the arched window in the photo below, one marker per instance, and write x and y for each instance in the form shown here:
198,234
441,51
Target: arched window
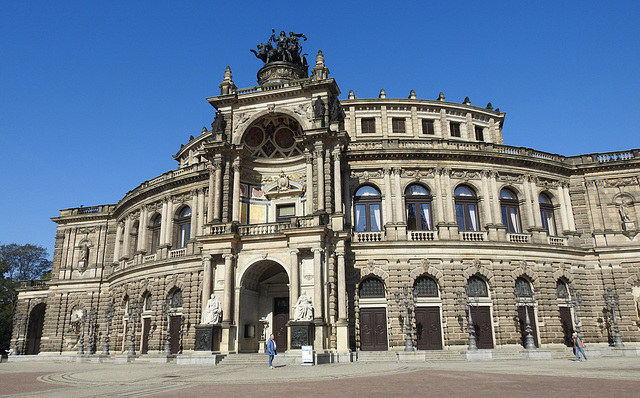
155,232
368,202
146,298
183,227
562,291
477,287
466,209
509,208
546,212
425,287
523,288
418,208
372,288
175,299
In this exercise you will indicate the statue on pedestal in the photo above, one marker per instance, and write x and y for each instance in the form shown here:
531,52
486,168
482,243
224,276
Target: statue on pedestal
212,312
303,308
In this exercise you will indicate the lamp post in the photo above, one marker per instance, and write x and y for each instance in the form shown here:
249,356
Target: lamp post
166,312
81,341
108,316
575,300
407,300
92,331
524,297
133,314
466,301
612,301
18,321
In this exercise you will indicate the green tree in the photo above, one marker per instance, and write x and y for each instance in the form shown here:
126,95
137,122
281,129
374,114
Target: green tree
17,263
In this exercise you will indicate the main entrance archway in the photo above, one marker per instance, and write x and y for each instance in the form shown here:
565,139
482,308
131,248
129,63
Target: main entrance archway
263,306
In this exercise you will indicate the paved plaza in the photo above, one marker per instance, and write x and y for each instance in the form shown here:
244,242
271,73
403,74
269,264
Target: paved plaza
598,377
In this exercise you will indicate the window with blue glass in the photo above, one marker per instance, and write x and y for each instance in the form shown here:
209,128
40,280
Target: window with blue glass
368,204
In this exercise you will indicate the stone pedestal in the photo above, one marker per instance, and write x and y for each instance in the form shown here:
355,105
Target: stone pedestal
208,338
301,333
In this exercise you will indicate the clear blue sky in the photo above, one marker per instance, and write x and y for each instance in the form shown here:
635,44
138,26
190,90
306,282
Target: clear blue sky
96,96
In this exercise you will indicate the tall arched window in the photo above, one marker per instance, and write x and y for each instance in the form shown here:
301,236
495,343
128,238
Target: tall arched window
562,291
135,233
156,223
546,212
509,208
523,288
418,208
183,227
175,299
372,288
368,202
466,209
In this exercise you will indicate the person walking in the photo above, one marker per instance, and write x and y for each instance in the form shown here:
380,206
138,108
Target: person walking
272,349
578,346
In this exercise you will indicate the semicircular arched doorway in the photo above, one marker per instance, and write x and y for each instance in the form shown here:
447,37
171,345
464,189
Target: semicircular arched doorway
263,306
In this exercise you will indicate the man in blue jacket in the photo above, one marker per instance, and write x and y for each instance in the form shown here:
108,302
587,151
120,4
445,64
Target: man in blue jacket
271,349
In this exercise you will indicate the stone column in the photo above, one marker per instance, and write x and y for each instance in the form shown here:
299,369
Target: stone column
310,194
229,268
217,191
116,251
439,207
207,278
126,242
388,210
342,288
200,219
567,201
295,281
337,182
398,218
536,203
317,285
497,213
563,208
486,202
319,154
194,213
168,221
236,191
210,197
528,204
143,230
448,189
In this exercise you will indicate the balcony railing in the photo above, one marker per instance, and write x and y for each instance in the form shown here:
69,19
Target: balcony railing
263,229
148,258
557,241
518,238
376,236
178,253
473,236
423,235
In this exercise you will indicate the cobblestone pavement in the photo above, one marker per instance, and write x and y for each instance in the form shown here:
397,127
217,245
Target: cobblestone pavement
598,377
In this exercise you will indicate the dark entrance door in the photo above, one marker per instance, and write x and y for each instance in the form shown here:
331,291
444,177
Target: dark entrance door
280,319
567,325
482,324
428,328
34,330
373,329
174,333
523,324
146,326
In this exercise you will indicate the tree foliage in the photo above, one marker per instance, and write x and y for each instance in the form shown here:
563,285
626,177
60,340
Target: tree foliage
17,263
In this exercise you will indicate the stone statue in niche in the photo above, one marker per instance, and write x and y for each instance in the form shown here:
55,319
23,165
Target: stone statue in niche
212,312
219,124
303,308
318,109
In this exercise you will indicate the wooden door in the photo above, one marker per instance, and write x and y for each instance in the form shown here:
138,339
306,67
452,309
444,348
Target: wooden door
483,327
428,328
174,333
373,329
523,324
280,319
146,327
567,325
